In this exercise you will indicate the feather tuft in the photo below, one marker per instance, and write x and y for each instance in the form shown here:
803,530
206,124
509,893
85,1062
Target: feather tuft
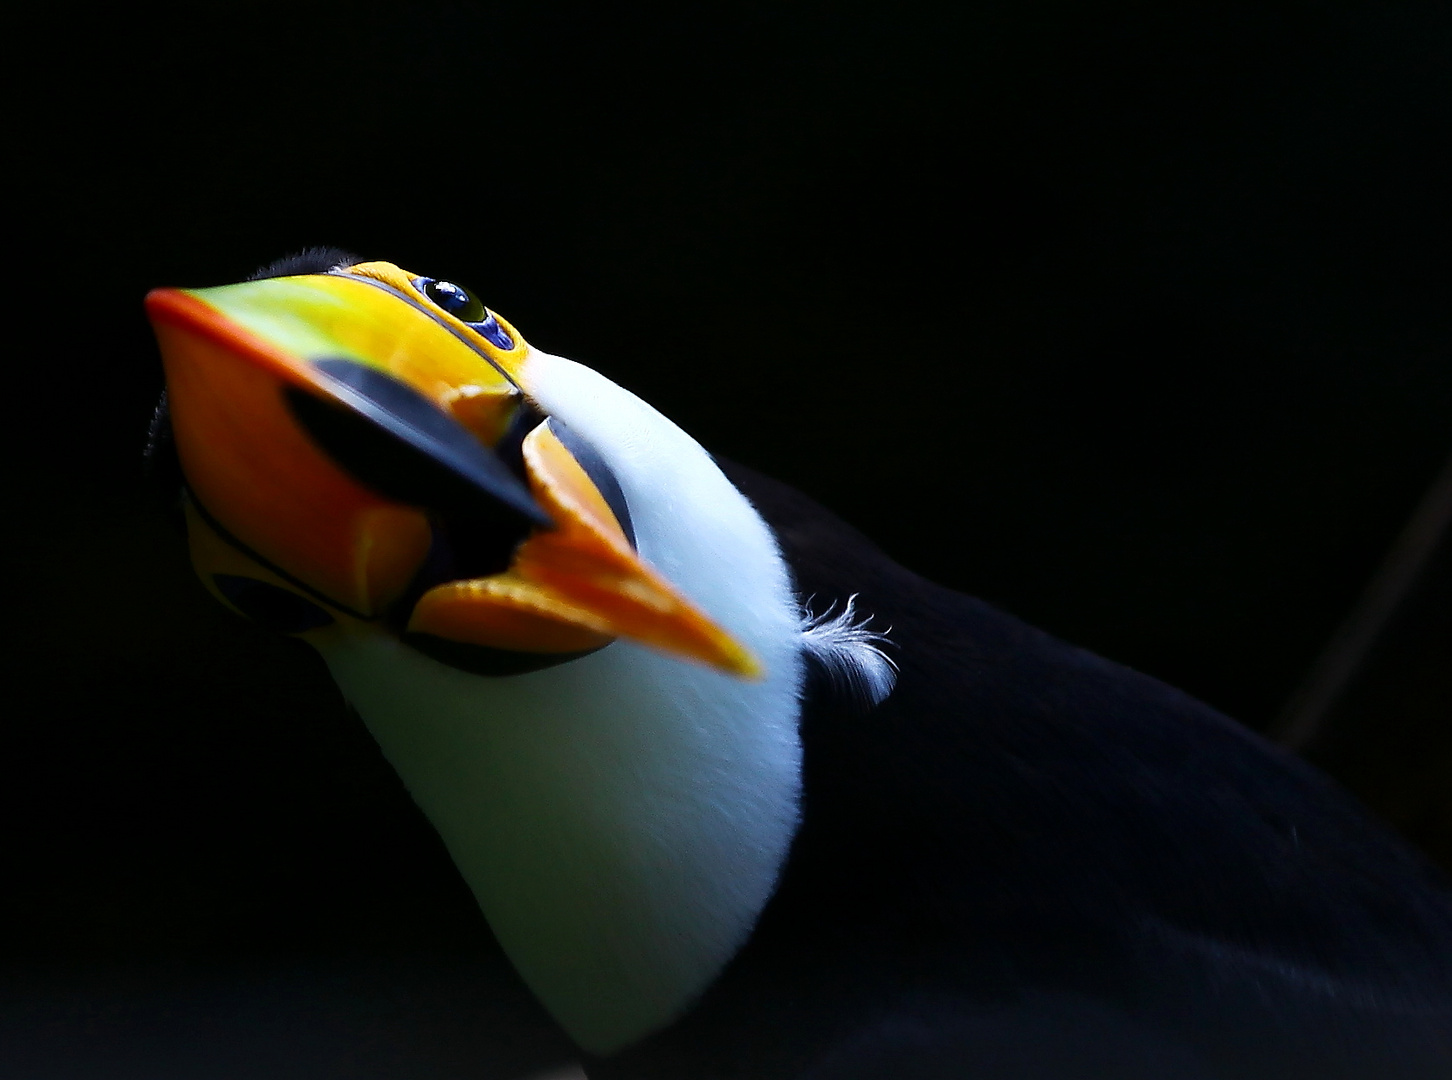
847,653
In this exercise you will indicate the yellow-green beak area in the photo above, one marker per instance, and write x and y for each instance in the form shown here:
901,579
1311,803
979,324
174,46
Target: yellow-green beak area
361,436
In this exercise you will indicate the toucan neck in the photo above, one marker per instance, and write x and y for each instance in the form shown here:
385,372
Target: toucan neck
622,818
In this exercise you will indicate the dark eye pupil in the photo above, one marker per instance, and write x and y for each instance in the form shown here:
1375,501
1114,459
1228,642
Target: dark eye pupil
463,305
455,299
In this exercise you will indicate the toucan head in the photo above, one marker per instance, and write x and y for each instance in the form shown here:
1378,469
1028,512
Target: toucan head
360,452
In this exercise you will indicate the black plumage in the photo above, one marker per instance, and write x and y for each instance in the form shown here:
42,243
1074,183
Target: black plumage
1032,862
313,260
1026,861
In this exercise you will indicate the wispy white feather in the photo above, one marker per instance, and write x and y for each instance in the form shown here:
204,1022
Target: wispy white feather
848,652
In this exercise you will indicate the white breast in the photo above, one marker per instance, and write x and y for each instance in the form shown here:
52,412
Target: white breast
623,818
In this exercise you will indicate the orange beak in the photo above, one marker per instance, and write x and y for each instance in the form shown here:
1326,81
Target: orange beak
351,439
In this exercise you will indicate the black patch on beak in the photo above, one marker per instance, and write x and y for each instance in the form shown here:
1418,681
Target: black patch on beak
270,607
397,442
400,444
483,660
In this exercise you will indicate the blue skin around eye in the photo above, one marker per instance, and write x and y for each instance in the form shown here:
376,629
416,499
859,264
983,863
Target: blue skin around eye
491,329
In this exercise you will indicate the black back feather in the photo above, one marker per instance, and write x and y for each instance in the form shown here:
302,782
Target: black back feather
1029,861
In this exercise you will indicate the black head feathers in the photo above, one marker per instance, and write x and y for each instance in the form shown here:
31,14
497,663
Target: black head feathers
313,260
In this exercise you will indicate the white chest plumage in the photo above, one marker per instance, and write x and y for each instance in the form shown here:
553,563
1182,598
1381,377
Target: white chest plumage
623,818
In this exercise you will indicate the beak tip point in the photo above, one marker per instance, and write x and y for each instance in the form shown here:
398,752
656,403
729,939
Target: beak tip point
745,666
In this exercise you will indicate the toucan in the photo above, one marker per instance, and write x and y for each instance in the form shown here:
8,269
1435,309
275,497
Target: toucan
738,795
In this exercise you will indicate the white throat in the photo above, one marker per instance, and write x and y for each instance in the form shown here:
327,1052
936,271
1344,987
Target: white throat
623,818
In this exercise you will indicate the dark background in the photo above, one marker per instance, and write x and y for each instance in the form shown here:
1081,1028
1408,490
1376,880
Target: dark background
1131,318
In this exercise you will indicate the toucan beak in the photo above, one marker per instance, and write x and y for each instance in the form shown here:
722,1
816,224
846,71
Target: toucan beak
343,431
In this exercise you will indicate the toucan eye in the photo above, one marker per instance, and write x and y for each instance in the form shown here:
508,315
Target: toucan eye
466,307
455,299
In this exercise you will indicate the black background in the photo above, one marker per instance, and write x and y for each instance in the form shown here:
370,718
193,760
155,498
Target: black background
1131,318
